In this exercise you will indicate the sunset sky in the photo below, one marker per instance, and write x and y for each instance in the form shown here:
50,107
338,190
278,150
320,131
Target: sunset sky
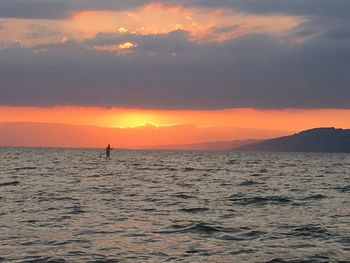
171,72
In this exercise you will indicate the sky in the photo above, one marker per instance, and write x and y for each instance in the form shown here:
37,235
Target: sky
271,66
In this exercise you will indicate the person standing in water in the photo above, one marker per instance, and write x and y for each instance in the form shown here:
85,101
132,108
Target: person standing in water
108,152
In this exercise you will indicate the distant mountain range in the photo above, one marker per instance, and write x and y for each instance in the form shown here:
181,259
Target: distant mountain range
314,140
142,137
211,146
148,137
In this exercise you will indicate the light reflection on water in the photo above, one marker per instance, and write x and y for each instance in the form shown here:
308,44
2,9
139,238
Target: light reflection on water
61,205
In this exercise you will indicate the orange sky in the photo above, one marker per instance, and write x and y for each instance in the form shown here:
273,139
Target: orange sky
176,126
288,119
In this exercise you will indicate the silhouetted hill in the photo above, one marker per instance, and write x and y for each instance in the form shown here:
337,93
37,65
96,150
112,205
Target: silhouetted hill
314,140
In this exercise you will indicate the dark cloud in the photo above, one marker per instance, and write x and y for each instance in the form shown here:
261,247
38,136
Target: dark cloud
308,68
57,9
328,16
339,33
169,71
333,8
34,9
41,34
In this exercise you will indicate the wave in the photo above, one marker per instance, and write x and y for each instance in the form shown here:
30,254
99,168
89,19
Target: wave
75,210
194,210
184,195
199,228
38,259
248,183
343,189
189,169
156,169
243,251
311,231
259,200
13,183
318,258
220,232
278,260
233,162
243,235
24,168
314,197
307,231
104,261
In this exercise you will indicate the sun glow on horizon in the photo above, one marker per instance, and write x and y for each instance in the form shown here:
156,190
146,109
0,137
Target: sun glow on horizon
138,119
287,119
145,127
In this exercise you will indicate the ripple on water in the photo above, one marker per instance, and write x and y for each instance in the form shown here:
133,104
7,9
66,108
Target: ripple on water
308,231
198,228
189,169
184,195
104,261
277,260
343,189
311,231
318,258
17,169
242,234
194,210
243,251
249,183
217,231
11,183
314,197
76,210
38,259
259,200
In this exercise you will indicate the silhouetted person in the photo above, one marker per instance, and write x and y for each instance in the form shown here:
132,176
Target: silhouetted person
108,152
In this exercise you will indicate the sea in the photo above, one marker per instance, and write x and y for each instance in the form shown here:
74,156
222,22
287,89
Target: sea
73,205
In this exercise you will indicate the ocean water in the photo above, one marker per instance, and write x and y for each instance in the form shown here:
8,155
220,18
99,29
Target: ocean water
70,205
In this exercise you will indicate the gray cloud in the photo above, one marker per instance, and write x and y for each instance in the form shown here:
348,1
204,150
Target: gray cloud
38,32
57,9
334,8
252,71
34,9
170,71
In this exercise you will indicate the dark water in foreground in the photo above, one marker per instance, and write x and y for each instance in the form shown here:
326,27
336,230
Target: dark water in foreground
156,206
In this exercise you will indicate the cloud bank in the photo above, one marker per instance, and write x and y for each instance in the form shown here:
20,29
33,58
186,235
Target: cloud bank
305,66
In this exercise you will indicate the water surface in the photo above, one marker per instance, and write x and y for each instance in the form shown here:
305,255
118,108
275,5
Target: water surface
70,205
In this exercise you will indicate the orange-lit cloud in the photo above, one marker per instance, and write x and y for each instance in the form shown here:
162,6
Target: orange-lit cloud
216,24
202,24
118,48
